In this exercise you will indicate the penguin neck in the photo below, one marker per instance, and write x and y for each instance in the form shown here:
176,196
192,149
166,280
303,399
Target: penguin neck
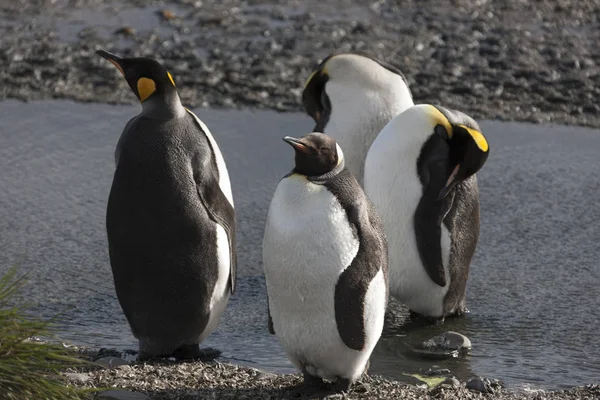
322,179
163,107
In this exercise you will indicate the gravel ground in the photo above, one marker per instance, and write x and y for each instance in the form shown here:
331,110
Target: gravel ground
190,381
514,60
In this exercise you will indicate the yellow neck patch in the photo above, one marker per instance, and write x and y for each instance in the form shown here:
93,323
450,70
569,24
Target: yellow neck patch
440,119
171,78
478,138
146,87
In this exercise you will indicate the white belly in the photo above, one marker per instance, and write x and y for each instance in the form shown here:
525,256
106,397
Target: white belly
308,243
220,295
392,183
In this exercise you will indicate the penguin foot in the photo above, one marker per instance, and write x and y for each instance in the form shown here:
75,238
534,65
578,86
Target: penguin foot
423,319
341,385
193,352
312,387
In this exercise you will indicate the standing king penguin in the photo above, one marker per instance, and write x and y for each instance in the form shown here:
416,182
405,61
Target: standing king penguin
351,97
170,219
420,174
325,262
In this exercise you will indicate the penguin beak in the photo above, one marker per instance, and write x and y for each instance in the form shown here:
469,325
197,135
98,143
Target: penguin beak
113,58
297,144
450,183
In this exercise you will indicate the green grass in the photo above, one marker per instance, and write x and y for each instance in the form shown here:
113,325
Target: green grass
29,370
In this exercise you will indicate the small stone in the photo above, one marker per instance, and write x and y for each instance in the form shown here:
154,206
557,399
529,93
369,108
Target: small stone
77,377
119,394
436,372
478,384
448,344
111,362
264,376
167,15
452,382
362,387
448,341
125,31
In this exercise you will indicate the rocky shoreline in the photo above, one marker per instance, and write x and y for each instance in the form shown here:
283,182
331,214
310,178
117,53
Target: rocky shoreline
170,380
527,61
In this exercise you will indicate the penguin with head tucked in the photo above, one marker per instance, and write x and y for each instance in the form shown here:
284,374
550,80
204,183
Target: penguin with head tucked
420,174
170,219
351,97
325,263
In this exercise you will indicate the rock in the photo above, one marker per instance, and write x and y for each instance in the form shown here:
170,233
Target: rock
77,377
436,372
119,394
261,376
478,385
451,382
111,362
448,344
362,387
484,385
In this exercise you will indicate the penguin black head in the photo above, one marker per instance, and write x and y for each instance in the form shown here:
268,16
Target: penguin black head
146,76
468,148
316,154
358,73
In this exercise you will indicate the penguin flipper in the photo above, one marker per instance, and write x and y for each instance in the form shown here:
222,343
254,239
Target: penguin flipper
218,207
353,284
434,172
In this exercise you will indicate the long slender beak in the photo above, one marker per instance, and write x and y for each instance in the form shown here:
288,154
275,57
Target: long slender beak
113,58
450,183
297,144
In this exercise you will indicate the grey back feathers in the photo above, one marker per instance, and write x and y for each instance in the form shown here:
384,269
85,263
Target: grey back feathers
162,207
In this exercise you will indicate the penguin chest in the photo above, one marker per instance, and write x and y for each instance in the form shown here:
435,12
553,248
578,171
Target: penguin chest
392,183
308,243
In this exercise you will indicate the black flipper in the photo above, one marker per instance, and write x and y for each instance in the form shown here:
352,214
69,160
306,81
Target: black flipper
433,167
214,200
353,283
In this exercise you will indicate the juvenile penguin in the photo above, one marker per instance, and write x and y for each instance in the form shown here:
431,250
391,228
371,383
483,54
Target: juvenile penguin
351,97
170,219
420,174
325,263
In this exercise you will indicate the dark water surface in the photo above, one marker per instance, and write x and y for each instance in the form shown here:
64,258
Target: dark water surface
533,290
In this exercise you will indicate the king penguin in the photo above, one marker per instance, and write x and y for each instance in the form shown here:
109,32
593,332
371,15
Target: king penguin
351,97
420,174
325,263
170,219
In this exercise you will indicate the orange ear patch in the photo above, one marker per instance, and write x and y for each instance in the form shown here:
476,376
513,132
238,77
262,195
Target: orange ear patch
478,137
146,87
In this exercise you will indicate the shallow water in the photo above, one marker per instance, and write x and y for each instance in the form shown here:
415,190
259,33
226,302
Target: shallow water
532,292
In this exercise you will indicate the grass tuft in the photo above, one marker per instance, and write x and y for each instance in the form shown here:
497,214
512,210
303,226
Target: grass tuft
29,370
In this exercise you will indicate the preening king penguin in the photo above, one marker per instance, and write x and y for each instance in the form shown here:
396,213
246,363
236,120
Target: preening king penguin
420,174
170,219
351,97
325,263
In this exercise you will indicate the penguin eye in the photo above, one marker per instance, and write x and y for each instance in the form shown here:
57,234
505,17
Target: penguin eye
324,150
